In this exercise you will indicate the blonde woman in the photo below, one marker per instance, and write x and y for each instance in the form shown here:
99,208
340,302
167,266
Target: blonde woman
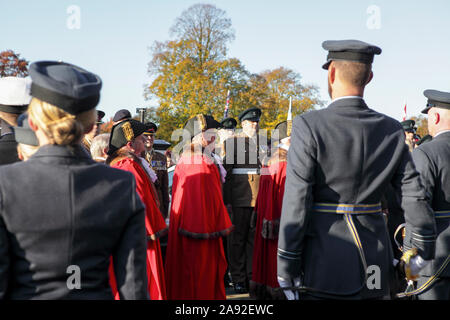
62,216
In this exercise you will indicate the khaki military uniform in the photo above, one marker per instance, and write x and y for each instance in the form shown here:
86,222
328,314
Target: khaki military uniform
242,163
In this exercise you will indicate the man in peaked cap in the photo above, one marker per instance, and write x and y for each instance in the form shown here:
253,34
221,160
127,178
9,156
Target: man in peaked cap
243,163
158,163
27,142
88,137
14,99
228,123
410,130
432,160
340,162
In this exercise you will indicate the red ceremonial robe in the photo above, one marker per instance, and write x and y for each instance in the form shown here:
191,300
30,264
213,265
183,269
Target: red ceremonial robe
195,258
268,209
155,226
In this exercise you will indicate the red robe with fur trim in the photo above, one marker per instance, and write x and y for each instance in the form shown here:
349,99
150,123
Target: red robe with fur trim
155,226
268,208
195,259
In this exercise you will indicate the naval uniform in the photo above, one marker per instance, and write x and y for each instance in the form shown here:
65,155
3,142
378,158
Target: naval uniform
340,162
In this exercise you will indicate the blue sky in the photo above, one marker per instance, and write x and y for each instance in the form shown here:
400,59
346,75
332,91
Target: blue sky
114,39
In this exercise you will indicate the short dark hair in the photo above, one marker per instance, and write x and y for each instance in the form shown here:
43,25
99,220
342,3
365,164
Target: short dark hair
353,72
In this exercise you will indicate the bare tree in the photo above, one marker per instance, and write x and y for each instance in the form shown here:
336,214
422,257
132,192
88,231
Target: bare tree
208,27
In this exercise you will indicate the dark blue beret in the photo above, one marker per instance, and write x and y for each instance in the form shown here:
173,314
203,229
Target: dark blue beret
351,50
122,114
23,133
437,99
65,86
252,114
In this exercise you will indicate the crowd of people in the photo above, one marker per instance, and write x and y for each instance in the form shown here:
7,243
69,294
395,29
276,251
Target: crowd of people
85,215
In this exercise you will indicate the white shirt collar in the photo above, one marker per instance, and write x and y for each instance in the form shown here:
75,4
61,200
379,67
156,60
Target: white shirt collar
346,97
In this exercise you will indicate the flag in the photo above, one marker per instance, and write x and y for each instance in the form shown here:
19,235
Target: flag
225,115
404,113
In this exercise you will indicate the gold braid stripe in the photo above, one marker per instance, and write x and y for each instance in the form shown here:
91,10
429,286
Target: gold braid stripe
201,119
128,131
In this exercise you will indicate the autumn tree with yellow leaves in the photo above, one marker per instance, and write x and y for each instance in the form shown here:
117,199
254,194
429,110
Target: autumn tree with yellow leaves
192,74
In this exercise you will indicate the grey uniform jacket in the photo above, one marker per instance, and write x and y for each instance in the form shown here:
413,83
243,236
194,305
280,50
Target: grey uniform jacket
432,160
347,153
61,209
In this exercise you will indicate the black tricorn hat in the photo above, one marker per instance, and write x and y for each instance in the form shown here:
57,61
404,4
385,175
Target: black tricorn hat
282,128
200,123
65,86
124,132
228,123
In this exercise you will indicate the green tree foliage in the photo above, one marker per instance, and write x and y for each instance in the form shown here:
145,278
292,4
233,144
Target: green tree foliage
192,74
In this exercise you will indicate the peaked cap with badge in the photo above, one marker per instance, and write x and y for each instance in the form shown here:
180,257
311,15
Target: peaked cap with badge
124,132
251,114
349,50
408,125
152,128
200,123
228,123
100,115
64,85
282,128
437,99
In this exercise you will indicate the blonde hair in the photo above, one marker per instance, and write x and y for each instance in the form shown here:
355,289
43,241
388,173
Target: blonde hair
25,151
60,127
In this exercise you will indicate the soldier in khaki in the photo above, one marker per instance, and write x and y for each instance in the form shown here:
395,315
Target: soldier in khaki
242,162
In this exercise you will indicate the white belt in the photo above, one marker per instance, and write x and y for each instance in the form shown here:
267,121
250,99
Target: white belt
245,171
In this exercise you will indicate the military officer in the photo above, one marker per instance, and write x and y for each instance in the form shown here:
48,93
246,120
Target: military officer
225,131
242,163
432,160
14,99
333,240
158,163
410,131
65,216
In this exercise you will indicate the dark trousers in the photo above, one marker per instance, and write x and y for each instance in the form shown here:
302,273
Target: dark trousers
439,291
240,245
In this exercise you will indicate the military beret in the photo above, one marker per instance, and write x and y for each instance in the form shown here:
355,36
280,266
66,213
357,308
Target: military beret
228,123
100,115
152,128
14,94
437,99
252,114
200,123
23,133
350,50
426,138
65,86
408,125
124,132
122,114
